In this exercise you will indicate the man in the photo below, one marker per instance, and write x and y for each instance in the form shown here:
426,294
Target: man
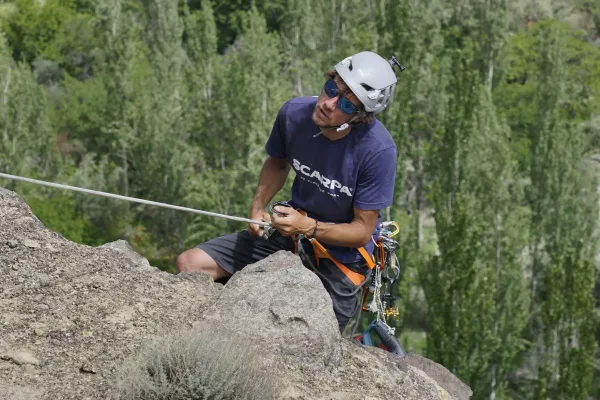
345,163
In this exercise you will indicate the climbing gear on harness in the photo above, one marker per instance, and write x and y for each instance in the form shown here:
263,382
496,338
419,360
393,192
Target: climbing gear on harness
321,252
306,260
279,203
387,272
386,336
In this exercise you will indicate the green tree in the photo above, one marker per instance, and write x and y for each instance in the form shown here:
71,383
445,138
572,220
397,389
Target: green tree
474,284
34,26
25,134
248,94
562,243
495,202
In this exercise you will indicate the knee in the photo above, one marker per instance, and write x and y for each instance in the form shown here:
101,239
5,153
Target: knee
186,262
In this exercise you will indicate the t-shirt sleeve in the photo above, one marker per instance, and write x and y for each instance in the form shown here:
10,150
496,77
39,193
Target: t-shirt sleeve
375,185
276,145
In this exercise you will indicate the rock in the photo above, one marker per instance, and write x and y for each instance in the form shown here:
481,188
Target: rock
20,357
39,332
123,247
50,248
440,375
32,244
123,315
88,368
21,393
85,312
281,304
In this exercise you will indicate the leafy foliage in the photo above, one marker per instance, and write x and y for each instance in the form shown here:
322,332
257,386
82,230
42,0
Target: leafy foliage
495,119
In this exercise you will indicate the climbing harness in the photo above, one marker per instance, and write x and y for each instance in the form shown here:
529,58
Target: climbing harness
383,273
320,251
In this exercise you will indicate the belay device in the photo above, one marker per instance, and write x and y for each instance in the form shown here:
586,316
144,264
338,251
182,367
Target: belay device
386,274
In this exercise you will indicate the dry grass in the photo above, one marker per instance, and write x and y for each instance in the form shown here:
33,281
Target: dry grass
199,364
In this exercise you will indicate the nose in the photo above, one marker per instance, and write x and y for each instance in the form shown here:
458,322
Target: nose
331,103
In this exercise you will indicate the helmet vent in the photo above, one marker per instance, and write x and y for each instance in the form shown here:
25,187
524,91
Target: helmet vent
367,87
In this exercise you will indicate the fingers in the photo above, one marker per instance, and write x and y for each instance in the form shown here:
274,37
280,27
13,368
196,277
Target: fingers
282,211
266,217
255,229
284,220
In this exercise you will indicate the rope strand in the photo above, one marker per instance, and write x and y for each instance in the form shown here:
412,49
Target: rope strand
132,199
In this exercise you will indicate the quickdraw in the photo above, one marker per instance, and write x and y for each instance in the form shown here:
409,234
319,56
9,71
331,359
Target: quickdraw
387,273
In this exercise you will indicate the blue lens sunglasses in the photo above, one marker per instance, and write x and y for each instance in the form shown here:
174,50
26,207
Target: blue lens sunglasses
345,105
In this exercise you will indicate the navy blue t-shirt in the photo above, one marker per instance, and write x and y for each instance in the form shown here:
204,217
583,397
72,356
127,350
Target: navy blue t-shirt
334,177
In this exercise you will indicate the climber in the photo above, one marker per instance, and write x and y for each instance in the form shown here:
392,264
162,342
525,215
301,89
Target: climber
345,164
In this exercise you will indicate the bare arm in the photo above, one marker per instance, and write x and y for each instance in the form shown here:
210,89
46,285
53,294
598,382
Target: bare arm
273,174
354,234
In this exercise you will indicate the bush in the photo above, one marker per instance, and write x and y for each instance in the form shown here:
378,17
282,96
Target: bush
199,364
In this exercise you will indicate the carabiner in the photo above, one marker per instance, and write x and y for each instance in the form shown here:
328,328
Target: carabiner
279,203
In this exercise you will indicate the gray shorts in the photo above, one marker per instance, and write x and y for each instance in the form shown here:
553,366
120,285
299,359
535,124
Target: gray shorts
234,251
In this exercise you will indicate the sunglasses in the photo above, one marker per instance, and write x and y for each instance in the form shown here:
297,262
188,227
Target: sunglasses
345,105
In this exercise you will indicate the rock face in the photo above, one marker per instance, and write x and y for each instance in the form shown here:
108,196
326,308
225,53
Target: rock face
71,315
302,328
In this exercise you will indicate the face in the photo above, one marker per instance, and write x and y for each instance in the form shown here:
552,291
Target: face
327,112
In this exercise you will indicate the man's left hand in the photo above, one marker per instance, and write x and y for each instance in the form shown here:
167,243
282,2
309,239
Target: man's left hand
288,221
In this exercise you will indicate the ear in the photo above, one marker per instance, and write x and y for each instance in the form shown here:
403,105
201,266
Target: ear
359,116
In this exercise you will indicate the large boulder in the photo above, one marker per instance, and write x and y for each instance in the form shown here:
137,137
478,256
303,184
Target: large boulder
282,305
73,315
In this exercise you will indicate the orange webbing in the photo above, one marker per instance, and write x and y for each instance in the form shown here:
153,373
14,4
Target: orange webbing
321,252
365,299
367,258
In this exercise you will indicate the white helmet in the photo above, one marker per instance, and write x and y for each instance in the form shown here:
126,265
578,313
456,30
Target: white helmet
371,78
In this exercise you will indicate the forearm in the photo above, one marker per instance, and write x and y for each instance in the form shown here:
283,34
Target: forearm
273,174
354,234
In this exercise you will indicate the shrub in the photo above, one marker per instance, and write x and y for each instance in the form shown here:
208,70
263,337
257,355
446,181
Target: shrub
197,364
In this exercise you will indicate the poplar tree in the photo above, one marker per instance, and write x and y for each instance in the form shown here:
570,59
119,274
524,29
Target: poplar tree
564,215
474,285
413,34
200,69
495,195
248,94
162,154
304,36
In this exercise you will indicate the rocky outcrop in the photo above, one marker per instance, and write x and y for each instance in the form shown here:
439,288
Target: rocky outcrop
72,315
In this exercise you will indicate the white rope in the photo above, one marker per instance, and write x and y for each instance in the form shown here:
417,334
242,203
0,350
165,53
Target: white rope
376,306
132,199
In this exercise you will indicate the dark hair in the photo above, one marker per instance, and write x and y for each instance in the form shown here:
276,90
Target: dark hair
362,117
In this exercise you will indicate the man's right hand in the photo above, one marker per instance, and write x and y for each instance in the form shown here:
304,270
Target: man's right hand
258,215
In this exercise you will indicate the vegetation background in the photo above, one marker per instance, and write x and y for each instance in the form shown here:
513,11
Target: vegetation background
496,117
